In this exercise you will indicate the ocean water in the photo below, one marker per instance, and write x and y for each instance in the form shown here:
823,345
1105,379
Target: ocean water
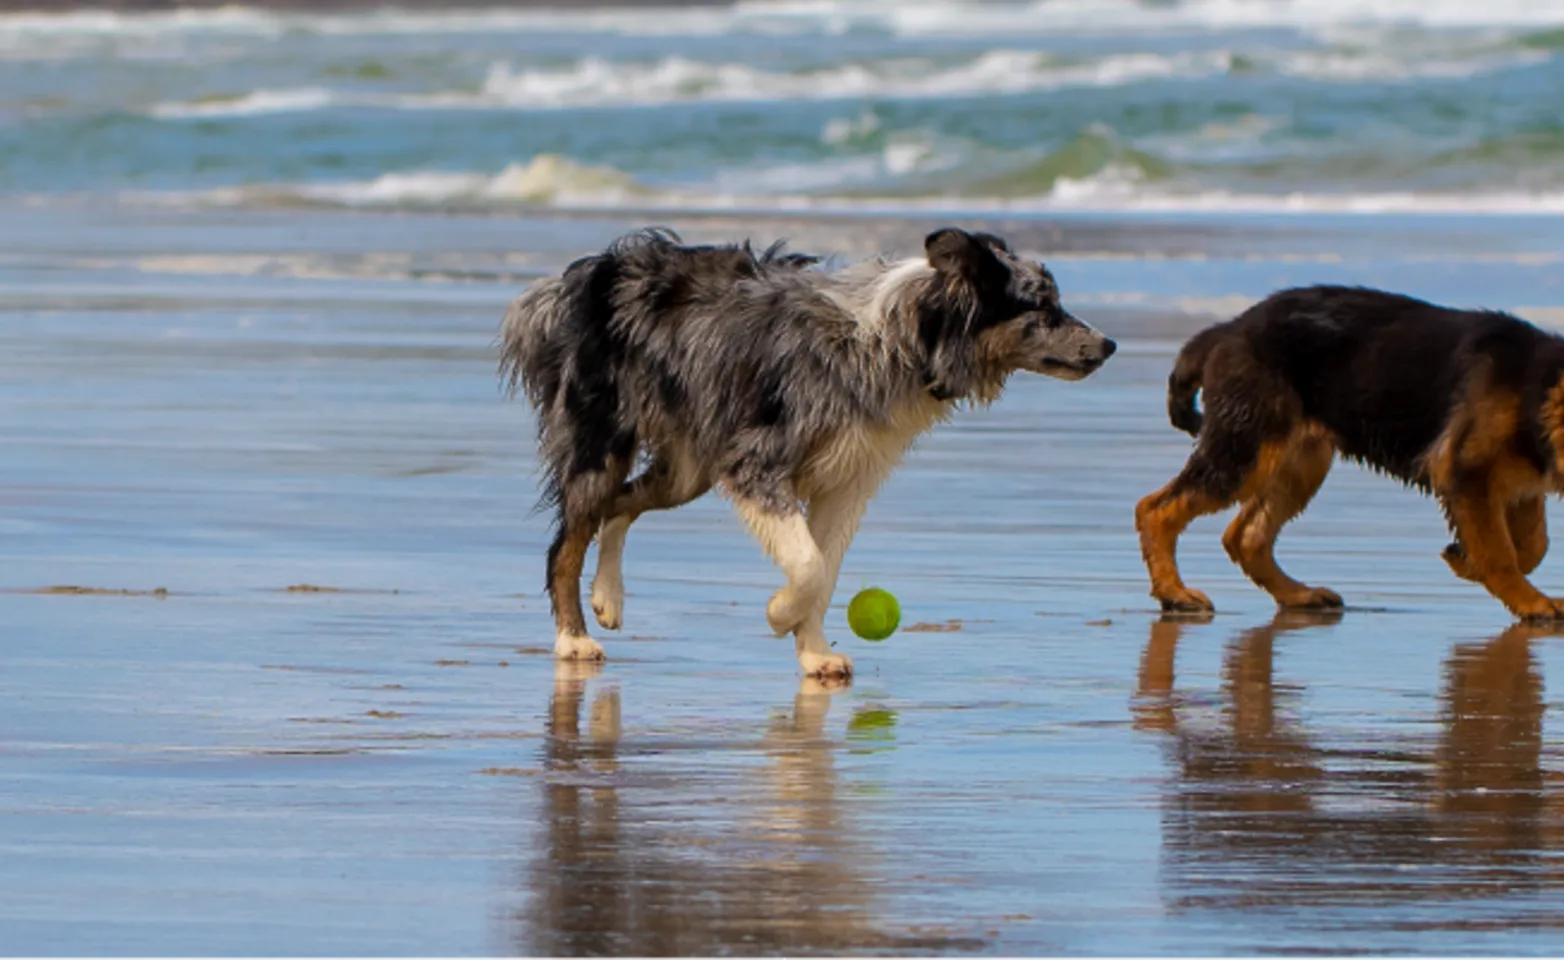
1057,104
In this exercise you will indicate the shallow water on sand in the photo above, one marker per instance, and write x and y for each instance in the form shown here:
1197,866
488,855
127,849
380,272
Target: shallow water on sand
227,406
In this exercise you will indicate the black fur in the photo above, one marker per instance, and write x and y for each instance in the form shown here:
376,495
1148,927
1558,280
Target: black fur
1458,403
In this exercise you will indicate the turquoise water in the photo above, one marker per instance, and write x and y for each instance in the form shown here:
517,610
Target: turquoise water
1205,104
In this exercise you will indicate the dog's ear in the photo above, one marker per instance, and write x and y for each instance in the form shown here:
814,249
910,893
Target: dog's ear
965,255
998,243
947,334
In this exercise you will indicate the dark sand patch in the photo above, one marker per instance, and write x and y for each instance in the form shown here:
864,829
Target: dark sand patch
73,591
509,771
289,666
429,471
949,626
317,588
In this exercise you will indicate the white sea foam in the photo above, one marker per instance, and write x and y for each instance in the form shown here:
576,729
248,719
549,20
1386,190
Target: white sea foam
554,181
598,82
918,17
250,104
1357,66
546,179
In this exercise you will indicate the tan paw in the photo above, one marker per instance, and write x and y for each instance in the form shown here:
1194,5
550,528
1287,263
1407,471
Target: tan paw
1311,598
608,602
577,647
1184,600
1543,608
827,667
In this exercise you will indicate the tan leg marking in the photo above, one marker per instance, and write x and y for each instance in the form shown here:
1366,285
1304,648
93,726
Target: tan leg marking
1490,555
571,641
1160,518
1281,487
1483,483
1527,519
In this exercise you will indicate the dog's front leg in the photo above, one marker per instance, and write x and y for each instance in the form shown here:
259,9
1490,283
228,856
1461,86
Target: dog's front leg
608,585
784,533
833,521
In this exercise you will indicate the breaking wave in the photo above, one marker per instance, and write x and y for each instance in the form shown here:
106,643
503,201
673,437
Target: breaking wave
599,82
1089,175
920,17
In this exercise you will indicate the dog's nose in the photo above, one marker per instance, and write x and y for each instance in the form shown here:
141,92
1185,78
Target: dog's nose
1108,346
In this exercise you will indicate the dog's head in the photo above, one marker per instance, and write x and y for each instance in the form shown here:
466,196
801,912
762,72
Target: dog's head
989,313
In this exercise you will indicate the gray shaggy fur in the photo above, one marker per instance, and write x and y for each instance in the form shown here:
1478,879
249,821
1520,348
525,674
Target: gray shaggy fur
720,365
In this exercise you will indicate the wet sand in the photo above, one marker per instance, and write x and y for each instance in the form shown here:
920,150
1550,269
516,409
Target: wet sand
278,677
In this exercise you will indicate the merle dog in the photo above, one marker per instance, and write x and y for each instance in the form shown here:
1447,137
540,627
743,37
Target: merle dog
793,388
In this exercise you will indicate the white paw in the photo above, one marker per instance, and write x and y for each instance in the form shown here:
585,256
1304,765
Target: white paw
577,647
608,602
826,666
788,608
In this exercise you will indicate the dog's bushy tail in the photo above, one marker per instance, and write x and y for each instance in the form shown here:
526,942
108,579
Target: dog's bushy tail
535,336
551,347
1185,381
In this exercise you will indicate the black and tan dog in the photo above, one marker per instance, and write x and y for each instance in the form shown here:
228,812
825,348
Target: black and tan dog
1466,405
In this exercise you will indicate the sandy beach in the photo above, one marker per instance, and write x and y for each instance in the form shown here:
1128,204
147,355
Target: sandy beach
299,697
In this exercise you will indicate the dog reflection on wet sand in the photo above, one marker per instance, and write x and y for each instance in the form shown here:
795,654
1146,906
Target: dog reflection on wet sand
625,866
1260,815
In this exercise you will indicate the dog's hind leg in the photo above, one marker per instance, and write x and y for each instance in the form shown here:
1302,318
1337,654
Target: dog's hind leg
1159,519
1210,481
1250,412
1483,485
1482,527
1528,522
662,486
583,501
1527,519
1287,476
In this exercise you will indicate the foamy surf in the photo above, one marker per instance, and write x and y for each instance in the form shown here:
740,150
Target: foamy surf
1201,105
552,181
830,17
545,180
598,82
256,103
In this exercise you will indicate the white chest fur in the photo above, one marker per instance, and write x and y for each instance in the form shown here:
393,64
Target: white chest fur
861,455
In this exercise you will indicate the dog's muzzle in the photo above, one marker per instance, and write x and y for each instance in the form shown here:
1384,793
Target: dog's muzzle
1084,364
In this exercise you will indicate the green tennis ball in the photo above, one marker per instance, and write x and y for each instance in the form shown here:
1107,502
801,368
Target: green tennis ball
874,614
